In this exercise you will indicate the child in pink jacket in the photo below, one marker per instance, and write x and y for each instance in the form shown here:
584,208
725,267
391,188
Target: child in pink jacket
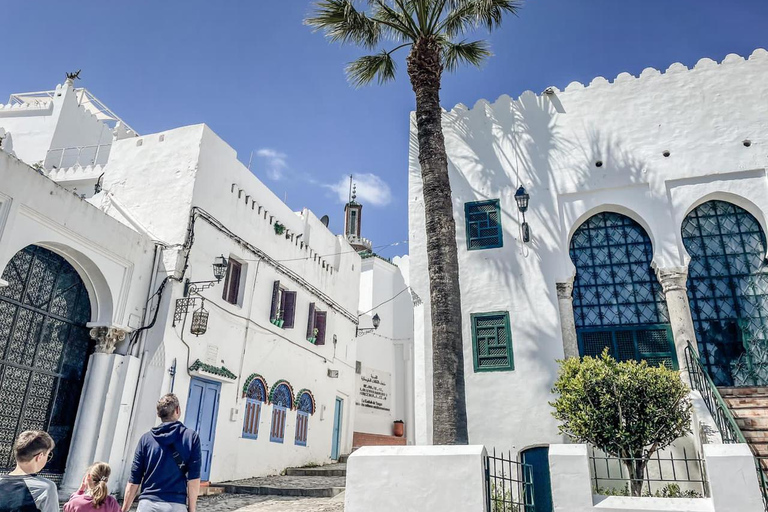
93,493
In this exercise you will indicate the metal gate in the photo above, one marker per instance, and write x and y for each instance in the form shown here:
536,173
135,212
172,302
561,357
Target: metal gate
508,484
44,347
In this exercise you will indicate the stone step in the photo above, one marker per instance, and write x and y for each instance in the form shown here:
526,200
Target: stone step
755,436
339,469
746,403
754,423
343,458
749,412
743,392
759,449
297,486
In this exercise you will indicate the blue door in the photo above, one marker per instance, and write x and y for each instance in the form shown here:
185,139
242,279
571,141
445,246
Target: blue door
337,415
202,411
538,459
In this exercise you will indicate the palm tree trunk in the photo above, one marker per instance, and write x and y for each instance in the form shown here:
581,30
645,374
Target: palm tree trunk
449,422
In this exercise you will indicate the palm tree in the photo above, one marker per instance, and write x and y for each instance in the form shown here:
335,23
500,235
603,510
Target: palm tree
432,30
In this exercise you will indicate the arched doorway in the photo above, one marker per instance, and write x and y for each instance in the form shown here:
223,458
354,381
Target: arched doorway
728,292
44,347
617,301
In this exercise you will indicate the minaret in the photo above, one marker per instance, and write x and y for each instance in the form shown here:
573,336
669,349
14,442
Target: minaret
353,221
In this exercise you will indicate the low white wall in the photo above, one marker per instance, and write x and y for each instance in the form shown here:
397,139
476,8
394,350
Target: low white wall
730,470
416,478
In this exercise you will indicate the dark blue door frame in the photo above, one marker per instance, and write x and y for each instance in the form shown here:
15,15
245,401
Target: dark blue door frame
201,416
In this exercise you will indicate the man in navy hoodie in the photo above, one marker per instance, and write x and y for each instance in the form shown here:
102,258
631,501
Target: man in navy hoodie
166,464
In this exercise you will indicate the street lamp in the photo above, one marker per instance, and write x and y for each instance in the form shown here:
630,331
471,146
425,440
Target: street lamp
376,322
220,265
183,305
521,198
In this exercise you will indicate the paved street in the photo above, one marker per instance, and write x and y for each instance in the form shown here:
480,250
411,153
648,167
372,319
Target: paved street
247,503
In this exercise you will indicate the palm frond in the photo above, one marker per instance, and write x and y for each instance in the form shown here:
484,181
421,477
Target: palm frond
364,70
341,22
465,52
398,19
464,15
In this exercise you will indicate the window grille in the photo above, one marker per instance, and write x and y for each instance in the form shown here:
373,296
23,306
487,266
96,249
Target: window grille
483,225
492,342
728,292
617,301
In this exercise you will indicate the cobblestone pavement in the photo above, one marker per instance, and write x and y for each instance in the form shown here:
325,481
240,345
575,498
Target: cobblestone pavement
303,482
246,503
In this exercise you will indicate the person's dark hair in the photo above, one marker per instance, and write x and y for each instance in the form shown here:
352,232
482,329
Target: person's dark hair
166,406
31,443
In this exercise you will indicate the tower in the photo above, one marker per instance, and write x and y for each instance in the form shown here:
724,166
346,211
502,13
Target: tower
353,221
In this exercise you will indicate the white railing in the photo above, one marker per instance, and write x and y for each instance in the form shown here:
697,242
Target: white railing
77,156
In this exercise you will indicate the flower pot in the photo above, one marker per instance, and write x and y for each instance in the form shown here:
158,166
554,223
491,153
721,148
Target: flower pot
280,323
312,340
398,428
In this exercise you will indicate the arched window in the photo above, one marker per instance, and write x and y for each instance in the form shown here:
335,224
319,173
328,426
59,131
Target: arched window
305,405
281,398
255,393
728,291
618,303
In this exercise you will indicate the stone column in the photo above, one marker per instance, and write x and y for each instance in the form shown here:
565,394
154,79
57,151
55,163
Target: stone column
567,320
673,282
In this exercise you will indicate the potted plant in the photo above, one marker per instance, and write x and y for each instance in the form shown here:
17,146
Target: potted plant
279,228
313,339
398,428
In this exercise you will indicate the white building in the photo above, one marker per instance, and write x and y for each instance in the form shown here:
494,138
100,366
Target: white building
270,380
647,218
384,384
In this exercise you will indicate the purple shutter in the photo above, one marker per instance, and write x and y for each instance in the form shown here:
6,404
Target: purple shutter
311,321
320,318
232,282
275,295
289,309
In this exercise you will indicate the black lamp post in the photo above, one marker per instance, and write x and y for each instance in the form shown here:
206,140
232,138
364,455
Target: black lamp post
521,198
376,322
220,265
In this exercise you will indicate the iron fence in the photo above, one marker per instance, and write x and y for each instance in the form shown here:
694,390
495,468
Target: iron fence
508,484
665,475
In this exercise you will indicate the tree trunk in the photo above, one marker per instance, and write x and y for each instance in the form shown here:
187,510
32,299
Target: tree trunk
449,422
636,468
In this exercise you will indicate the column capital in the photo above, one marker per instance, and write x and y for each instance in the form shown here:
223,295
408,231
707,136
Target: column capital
107,338
565,290
673,278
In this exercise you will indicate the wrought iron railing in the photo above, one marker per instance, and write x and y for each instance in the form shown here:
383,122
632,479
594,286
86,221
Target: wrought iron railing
508,484
724,419
701,382
664,476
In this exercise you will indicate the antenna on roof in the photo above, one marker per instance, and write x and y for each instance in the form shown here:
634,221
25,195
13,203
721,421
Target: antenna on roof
350,188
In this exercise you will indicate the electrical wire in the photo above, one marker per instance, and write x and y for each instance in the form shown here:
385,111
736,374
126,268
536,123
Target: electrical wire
386,301
378,247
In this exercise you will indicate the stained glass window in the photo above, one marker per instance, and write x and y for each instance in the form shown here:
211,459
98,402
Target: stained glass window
492,342
483,225
728,292
617,301
255,396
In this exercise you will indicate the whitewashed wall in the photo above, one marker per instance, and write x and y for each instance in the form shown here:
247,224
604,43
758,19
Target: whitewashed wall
550,144
389,349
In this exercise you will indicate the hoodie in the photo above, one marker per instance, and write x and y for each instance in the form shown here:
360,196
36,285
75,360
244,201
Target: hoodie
154,468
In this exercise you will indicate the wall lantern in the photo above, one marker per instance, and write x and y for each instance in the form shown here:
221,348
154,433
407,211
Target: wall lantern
187,302
376,322
199,320
521,198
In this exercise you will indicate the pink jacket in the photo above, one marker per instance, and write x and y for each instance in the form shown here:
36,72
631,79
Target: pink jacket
81,502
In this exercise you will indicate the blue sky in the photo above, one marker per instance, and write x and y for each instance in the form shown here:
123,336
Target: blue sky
267,84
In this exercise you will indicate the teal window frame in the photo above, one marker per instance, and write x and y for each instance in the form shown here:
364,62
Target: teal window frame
476,359
480,223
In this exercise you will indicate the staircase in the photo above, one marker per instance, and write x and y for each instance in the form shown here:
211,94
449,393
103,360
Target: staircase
750,408
312,482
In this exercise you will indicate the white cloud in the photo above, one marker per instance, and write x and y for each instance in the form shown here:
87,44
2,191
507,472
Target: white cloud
276,163
371,189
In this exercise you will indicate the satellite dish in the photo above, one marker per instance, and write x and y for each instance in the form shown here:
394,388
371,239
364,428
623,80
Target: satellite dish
325,220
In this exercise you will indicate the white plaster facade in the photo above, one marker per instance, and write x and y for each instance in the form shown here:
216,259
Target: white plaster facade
388,350
184,192
551,145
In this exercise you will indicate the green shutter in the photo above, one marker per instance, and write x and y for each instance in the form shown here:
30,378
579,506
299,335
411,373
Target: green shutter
492,342
483,221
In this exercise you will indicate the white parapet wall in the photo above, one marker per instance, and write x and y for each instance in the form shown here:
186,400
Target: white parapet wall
730,470
416,479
